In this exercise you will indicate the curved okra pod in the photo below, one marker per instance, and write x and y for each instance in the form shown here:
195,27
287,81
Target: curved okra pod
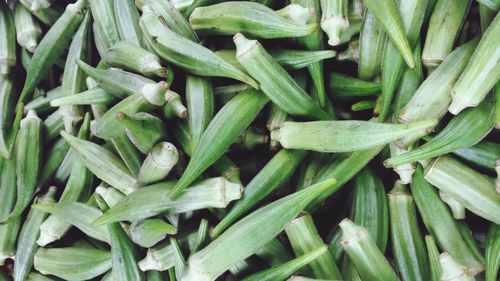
343,136
200,105
62,262
146,233
26,243
223,130
8,231
371,46
127,21
6,115
250,18
104,17
52,46
242,239
407,242
481,74
473,190
28,32
334,19
102,163
433,254
442,226
344,86
143,129
387,15
186,54
274,81
161,159
304,238
492,252
452,270
7,40
209,193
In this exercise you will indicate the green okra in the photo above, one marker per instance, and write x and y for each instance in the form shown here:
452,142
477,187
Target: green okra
370,208
334,19
128,56
350,33
250,18
200,105
349,271
274,81
387,15
127,21
272,219
441,225
492,253
26,242
8,231
36,5
473,190
484,154
73,263
225,127
494,5
158,164
304,238
213,192
186,54
52,46
486,16
295,13
100,42
302,278
174,107
42,103
287,269
497,105
52,125
226,93
363,105
47,16
6,115
481,74
274,253
154,275
344,86
143,129
275,120
28,158
370,263
146,233
55,157
202,235
371,46
128,152
7,40
179,260
102,163
251,138
433,255
110,195
441,35
457,209
94,96
464,130
28,32
351,54
34,276
452,270
343,136
432,97
334,246
407,242
103,13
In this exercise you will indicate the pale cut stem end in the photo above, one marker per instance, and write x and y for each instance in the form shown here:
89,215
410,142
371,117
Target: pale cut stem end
149,262
154,93
46,238
452,270
457,209
243,45
457,105
333,27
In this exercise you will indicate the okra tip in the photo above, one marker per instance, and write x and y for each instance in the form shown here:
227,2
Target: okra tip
243,45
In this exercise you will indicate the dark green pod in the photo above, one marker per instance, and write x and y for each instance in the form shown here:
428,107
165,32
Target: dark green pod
6,115
371,46
200,105
344,86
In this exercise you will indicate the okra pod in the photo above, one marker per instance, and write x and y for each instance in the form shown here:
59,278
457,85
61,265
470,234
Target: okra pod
200,105
452,270
128,153
103,13
7,40
433,254
36,5
127,21
94,96
28,32
371,46
143,129
146,233
157,165
334,19
8,231
344,86
7,101
492,253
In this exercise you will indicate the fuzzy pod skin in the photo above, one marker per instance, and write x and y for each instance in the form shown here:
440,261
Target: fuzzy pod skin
127,21
274,81
362,250
186,54
128,56
26,243
104,17
304,238
442,226
214,192
143,129
102,163
52,46
8,231
200,105
7,100
433,96
344,86
343,136
492,253
441,35
157,165
471,189
277,171
223,130
62,262
146,233
433,255
452,270
28,32
250,18
371,46
7,40
481,75
407,242
334,19
242,239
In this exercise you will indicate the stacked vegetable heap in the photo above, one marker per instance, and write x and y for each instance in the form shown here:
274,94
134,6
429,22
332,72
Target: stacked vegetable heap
200,140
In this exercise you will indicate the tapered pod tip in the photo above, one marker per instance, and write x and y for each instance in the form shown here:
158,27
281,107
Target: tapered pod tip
452,270
243,45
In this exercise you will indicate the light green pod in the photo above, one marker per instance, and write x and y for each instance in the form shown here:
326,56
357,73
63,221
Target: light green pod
274,81
275,120
33,276
250,18
200,105
73,263
160,160
481,74
452,270
8,231
473,190
7,40
492,253
28,32
494,5
143,129
483,154
42,103
441,35
7,101
110,195
363,105
371,46
102,163
343,136
26,242
94,96
186,54
242,239
407,242
52,125
103,13
55,157
146,233
201,236
433,254
457,209
47,16
52,46
173,107
304,238
127,21
129,154
344,86
36,5
209,193
334,19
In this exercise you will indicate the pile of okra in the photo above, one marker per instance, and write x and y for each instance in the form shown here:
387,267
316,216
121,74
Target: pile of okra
265,140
